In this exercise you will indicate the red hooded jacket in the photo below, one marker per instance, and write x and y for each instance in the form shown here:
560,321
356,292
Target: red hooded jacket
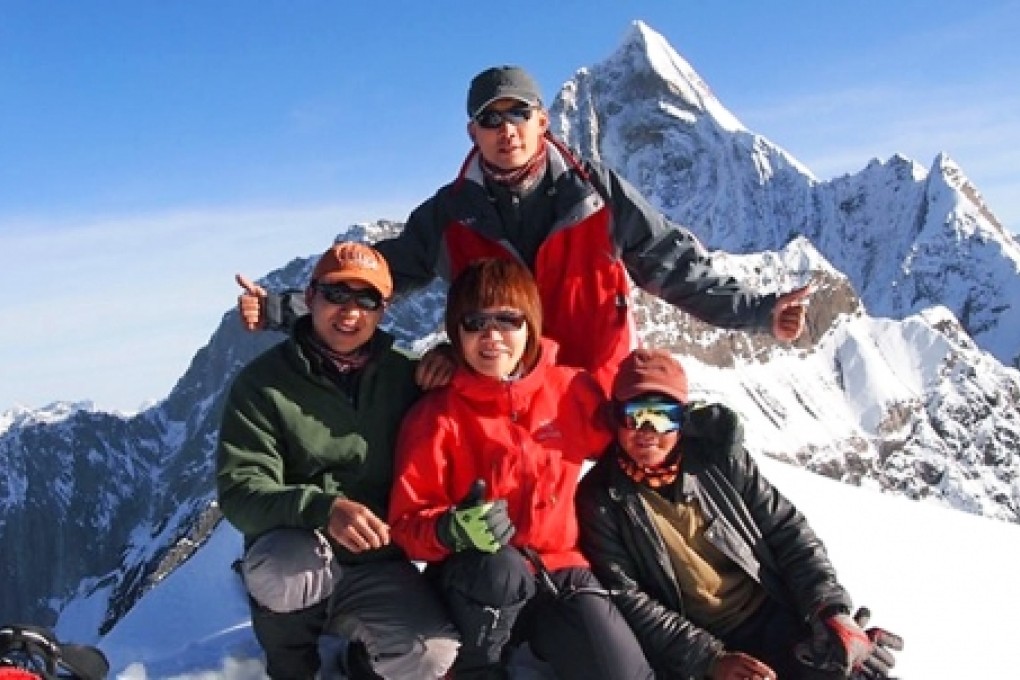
526,438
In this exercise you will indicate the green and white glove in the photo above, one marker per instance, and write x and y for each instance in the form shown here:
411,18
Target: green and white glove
475,523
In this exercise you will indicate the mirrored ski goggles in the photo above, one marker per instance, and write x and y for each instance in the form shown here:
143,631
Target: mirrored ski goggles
663,416
476,322
490,119
368,299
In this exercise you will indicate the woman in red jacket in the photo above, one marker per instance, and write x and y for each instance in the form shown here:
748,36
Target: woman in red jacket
485,477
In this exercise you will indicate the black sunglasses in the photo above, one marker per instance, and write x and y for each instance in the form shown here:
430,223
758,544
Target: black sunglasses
476,322
490,119
368,299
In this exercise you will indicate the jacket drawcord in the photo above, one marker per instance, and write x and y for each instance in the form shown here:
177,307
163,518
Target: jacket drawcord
542,574
546,583
622,311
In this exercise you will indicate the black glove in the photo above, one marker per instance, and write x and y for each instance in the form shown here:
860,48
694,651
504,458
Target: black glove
880,661
474,523
839,643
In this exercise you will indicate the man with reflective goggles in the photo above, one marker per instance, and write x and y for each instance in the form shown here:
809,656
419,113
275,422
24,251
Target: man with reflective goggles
584,232
304,469
661,415
718,574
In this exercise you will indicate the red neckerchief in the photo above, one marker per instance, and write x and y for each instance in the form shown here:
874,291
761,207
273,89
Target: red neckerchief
519,179
653,477
344,363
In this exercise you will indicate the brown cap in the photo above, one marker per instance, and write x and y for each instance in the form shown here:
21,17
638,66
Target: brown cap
354,262
644,371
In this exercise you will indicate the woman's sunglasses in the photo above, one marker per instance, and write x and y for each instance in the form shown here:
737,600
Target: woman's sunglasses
490,119
368,299
476,322
663,416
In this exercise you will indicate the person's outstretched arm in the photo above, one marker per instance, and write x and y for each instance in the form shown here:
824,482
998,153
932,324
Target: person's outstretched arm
667,260
411,256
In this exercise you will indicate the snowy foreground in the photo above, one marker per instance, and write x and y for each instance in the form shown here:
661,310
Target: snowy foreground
942,579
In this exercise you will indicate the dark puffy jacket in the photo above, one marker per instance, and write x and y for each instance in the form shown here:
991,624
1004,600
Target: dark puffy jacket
747,519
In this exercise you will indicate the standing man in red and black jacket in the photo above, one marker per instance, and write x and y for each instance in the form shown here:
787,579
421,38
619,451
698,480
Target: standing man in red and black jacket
584,232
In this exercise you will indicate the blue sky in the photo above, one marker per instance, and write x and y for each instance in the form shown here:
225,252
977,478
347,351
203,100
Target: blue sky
149,150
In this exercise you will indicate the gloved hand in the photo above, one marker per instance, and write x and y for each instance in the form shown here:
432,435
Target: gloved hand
474,523
881,660
839,643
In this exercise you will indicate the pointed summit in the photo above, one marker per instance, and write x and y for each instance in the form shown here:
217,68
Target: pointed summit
646,87
947,170
646,113
660,70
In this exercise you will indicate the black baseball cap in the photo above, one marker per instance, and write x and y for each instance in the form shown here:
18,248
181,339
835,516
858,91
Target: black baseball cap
502,82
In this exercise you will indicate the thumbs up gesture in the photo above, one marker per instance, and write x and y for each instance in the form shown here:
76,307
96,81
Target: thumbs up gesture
476,523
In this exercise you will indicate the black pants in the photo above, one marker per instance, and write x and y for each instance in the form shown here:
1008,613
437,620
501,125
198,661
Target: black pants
495,599
770,635
290,640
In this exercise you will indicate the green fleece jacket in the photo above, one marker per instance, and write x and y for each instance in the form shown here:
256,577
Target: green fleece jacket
292,440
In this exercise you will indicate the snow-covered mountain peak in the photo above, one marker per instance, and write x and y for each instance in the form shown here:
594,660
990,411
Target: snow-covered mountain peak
650,60
947,172
899,166
58,411
639,94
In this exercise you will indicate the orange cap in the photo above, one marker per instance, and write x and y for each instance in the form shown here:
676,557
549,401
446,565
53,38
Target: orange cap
351,261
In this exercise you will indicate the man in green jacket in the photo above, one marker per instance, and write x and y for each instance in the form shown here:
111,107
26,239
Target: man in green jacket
304,469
